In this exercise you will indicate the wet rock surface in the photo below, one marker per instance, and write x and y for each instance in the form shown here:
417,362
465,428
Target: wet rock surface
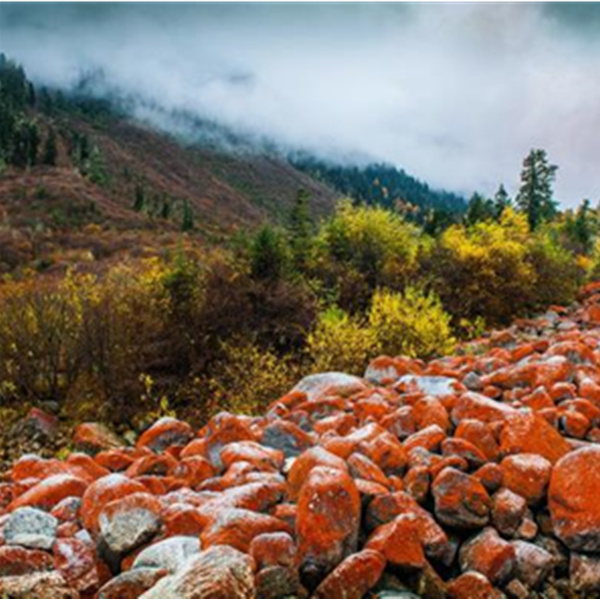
470,476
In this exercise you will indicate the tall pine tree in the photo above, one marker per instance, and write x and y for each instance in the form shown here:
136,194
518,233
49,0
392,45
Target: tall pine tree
536,194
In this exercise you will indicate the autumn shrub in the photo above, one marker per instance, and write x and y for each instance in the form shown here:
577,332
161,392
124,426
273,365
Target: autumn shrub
249,378
340,342
483,270
121,326
82,336
277,313
361,248
558,271
412,323
40,326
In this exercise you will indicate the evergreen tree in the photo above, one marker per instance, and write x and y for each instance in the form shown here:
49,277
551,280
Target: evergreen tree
536,195
187,219
301,230
25,143
50,149
139,202
81,152
165,211
583,228
96,168
479,209
501,201
268,255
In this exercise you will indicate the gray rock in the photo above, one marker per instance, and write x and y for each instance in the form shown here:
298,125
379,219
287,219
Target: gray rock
472,381
170,554
128,530
219,572
30,528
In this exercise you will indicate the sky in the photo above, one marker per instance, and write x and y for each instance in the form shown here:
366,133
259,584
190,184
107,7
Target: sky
456,94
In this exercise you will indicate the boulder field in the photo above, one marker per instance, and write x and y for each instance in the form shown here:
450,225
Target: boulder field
470,476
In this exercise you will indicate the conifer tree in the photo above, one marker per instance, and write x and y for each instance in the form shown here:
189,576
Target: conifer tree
501,201
187,220
479,209
268,255
583,227
536,195
300,230
50,149
139,202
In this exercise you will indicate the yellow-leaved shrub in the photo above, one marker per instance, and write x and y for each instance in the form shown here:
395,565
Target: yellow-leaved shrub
412,323
340,342
248,378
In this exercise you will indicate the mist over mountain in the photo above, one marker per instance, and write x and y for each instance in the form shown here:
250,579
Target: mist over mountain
456,94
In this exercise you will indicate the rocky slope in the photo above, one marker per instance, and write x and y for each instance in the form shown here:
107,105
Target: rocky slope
472,476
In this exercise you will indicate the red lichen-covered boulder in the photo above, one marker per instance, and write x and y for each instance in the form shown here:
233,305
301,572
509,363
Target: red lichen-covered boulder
574,499
527,433
527,475
480,408
481,435
488,554
49,492
429,438
264,459
237,528
306,462
400,543
273,549
460,500
327,524
354,577
164,433
101,493
508,511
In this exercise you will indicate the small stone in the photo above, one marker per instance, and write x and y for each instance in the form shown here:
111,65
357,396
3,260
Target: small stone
585,573
534,564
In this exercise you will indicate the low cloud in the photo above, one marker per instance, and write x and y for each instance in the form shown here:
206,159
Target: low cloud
456,94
